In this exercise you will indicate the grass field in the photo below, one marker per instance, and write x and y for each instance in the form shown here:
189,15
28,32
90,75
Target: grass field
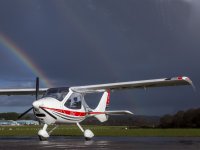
99,131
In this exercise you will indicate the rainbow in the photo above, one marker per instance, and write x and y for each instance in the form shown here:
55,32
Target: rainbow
24,58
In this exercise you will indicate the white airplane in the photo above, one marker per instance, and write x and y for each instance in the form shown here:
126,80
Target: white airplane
67,104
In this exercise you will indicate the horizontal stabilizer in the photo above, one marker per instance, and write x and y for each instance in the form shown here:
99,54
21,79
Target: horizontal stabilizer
118,112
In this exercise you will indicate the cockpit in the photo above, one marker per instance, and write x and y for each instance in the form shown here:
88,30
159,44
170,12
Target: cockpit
57,93
74,101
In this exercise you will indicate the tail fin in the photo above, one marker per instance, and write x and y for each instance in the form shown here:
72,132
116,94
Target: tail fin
103,104
108,100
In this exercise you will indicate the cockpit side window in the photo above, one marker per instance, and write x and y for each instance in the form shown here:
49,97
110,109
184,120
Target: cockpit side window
74,102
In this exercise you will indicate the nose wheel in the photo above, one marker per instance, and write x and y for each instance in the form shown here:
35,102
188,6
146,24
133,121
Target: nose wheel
88,134
43,134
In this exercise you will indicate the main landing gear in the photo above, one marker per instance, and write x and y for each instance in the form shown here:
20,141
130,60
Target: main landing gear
44,135
88,134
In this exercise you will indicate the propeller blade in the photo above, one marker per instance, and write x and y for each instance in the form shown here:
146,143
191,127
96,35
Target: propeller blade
36,96
37,88
49,113
25,113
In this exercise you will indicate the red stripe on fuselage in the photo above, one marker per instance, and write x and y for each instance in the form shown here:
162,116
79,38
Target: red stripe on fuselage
74,113
67,112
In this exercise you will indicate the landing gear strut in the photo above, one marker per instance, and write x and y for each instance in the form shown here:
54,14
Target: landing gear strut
43,134
88,134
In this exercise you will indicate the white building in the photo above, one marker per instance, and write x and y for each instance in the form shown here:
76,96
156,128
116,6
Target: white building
8,123
27,122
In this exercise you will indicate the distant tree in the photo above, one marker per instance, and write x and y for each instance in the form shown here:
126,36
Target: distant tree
166,121
178,120
9,116
196,118
188,118
14,116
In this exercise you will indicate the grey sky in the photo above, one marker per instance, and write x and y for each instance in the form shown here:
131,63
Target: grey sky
98,41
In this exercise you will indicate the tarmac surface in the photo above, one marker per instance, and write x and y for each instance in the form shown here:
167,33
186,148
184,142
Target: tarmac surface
102,143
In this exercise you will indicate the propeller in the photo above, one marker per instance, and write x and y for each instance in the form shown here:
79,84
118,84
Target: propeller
24,113
37,88
36,97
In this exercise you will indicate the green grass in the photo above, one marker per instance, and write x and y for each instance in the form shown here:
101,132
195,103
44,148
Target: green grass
99,131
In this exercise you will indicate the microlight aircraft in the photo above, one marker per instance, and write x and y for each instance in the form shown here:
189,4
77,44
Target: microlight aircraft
67,104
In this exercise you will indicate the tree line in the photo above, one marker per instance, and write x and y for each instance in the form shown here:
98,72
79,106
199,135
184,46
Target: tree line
126,120
182,119
13,116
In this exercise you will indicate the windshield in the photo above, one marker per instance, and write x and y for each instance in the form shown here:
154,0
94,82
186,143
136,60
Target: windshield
57,93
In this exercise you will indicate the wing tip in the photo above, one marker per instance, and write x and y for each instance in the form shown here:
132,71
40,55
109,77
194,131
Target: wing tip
188,80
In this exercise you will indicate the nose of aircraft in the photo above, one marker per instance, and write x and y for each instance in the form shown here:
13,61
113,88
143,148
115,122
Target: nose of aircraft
37,104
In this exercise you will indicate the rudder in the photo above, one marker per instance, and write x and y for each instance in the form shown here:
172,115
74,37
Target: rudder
103,104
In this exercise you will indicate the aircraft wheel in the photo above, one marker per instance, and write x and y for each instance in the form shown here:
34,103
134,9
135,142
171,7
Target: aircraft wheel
43,135
41,138
88,134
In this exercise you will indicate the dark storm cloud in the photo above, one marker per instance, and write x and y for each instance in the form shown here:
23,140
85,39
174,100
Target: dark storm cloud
99,41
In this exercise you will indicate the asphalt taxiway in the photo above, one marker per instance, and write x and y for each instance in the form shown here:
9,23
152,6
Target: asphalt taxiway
104,143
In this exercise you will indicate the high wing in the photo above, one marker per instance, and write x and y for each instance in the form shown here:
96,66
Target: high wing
174,81
21,91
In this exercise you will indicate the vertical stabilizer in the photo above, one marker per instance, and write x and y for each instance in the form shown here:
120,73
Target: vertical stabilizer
103,104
